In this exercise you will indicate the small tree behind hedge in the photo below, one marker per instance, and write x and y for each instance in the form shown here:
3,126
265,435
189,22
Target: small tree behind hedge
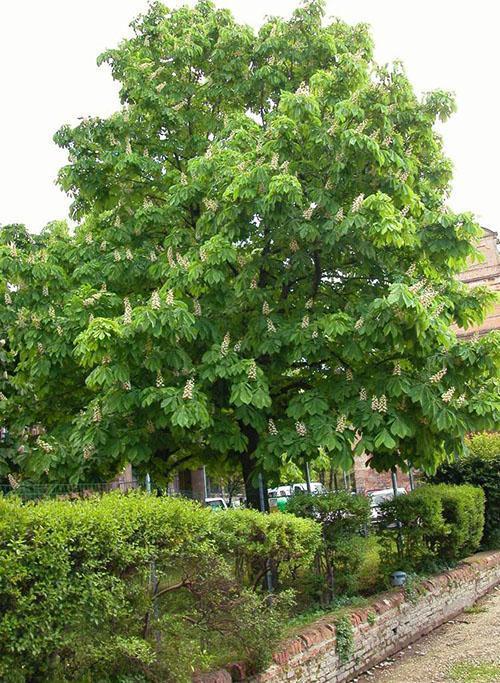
343,517
431,526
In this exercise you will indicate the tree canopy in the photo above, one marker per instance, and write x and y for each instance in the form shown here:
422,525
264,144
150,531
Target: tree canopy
263,263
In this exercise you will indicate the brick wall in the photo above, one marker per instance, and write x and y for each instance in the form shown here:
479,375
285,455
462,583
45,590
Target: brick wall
394,623
367,479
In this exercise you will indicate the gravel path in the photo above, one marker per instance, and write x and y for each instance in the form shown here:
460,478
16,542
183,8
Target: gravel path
465,650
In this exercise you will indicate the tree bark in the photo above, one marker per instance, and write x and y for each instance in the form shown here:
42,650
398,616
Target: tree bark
251,471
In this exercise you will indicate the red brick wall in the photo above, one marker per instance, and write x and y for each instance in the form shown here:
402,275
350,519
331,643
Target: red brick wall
367,479
385,626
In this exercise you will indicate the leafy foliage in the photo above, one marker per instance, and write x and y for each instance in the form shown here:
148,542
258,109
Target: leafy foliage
77,596
433,525
263,263
344,641
480,468
343,518
484,446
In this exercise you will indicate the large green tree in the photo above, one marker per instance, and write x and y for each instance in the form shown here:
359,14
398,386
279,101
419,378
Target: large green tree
263,263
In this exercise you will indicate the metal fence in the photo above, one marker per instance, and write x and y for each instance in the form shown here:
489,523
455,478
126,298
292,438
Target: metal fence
68,491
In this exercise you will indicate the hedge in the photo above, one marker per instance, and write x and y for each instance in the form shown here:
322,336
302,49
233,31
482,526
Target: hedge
481,468
433,525
76,595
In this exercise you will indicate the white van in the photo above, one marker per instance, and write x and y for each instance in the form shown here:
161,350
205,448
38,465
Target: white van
379,497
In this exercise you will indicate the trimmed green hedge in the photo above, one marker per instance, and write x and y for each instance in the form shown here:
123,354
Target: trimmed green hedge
433,525
76,596
481,468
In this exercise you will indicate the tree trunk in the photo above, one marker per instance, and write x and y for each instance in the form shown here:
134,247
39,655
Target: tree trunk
251,472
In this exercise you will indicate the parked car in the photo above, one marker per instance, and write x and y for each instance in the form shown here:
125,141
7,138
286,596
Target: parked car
216,503
379,497
279,496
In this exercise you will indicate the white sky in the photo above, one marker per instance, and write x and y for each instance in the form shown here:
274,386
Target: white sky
48,76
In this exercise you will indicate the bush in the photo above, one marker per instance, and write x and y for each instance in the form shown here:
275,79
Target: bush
343,519
481,468
257,543
76,596
484,445
431,526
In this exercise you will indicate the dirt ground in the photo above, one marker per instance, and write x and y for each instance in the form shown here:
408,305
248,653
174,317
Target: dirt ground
464,650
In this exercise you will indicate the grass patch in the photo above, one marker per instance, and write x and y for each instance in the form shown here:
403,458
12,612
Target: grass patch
338,608
475,609
369,573
466,672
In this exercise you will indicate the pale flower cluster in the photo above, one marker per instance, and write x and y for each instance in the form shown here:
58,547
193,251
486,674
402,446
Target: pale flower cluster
341,424
339,216
379,405
303,89
252,371
155,300
307,214
349,375
363,394
300,428
427,297
359,323
397,369
170,297
305,322
271,428
187,394
96,415
448,395
224,347
159,380
411,270
270,326
127,315
87,452
182,261
294,246
197,308
13,481
438,376
211,205
44,445
358,203
265,308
